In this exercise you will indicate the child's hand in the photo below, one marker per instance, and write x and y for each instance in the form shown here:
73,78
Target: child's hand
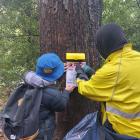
70,87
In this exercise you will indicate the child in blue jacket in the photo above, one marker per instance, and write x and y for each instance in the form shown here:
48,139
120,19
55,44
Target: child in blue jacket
49,69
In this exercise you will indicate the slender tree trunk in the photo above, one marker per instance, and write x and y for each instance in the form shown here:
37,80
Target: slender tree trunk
70,26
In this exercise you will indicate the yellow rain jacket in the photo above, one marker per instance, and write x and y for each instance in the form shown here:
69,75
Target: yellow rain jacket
118,84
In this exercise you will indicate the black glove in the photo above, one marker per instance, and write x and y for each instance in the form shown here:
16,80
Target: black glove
80,73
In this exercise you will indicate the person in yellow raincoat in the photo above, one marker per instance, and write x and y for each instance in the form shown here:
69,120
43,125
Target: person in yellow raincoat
117,82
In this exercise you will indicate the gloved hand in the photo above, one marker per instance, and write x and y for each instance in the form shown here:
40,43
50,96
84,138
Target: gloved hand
80,73
88,70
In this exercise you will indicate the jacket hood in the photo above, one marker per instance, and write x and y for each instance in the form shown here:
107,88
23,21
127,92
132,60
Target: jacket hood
34,80
110,38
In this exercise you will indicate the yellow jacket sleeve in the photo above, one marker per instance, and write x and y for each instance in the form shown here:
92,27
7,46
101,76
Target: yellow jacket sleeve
101,85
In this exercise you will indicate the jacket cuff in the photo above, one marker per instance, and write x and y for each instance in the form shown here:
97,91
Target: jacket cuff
79,80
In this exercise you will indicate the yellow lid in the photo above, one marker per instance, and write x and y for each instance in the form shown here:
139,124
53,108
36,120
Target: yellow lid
75,56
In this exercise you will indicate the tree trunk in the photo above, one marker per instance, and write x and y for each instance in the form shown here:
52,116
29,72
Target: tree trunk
70,26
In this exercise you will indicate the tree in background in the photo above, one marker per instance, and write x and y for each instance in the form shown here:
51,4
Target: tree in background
70,26
125,13
19,43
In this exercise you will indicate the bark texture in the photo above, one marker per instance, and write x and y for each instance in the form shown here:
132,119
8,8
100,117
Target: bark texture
70,26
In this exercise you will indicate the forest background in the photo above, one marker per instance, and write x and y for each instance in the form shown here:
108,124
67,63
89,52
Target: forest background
19,35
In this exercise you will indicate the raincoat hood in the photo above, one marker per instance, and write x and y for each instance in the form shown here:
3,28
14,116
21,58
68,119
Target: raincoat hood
110,38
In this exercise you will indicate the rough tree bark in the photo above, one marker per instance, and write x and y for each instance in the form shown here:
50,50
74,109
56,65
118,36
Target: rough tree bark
70,26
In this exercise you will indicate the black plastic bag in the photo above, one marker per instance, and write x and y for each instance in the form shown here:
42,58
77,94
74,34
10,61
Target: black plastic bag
89,128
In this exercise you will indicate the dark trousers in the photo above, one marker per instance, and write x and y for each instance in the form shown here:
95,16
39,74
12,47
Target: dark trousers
110,134
46,129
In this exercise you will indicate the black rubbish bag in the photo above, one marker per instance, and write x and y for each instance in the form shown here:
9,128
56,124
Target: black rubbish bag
89,128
